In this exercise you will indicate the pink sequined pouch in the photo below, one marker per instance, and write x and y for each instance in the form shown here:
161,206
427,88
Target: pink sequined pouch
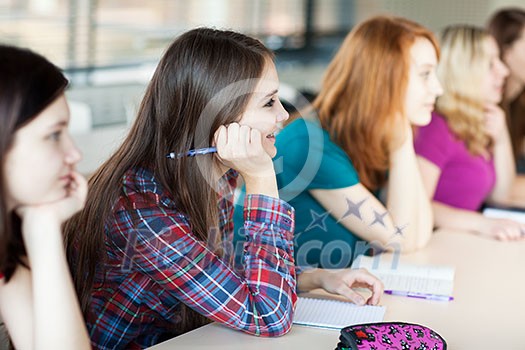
390,336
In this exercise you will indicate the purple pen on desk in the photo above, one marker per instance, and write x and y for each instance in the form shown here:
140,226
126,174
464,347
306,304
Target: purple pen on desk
192,152
426,296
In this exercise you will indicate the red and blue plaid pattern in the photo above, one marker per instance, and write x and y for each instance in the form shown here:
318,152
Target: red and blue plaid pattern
154,263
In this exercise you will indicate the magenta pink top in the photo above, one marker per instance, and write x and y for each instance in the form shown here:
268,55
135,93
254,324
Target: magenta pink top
466,180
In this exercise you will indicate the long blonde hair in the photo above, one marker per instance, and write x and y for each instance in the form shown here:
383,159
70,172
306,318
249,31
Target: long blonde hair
363,92
463,64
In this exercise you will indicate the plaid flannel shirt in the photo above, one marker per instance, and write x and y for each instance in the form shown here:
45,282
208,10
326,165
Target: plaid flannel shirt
154,263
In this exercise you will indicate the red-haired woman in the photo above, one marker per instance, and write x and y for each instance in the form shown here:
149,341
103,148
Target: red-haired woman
380,83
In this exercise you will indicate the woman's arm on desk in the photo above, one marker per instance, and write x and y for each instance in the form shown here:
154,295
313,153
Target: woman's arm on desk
446,216
406,221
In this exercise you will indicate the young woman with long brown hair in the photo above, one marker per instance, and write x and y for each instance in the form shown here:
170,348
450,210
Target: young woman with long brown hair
39,190
507,26
380,82
465,153
151,251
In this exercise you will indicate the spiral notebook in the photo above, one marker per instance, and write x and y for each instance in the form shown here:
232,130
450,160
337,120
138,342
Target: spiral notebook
334,314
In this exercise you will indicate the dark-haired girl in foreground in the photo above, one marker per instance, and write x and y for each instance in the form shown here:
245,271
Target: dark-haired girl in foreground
150,251
39,190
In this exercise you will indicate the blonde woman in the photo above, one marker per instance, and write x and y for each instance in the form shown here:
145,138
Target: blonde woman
465,154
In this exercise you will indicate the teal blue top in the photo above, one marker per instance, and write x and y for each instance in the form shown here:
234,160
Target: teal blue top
307,159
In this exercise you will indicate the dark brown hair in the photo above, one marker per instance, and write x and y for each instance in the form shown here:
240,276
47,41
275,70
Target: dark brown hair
203,80
28,84
506,25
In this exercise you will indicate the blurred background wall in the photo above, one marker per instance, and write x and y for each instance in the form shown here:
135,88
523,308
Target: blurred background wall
109,48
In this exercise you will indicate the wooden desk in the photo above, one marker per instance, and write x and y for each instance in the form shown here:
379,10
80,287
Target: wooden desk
488,310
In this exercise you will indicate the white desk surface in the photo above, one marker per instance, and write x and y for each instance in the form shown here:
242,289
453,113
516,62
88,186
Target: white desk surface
488,310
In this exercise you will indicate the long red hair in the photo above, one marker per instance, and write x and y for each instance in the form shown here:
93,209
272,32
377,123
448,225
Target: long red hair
363,92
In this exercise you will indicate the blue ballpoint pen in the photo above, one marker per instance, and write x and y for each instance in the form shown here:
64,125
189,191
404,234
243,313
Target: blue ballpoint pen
192,152
426,296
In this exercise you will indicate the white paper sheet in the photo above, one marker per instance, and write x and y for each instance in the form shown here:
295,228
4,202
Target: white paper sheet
497,213
412,278
334,314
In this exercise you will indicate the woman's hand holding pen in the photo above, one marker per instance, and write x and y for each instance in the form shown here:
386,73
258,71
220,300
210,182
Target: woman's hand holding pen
240,147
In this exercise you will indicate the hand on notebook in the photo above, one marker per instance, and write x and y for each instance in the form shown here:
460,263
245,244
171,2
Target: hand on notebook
341,281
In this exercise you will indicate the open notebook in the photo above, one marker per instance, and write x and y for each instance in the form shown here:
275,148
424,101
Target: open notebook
412,280
327,313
